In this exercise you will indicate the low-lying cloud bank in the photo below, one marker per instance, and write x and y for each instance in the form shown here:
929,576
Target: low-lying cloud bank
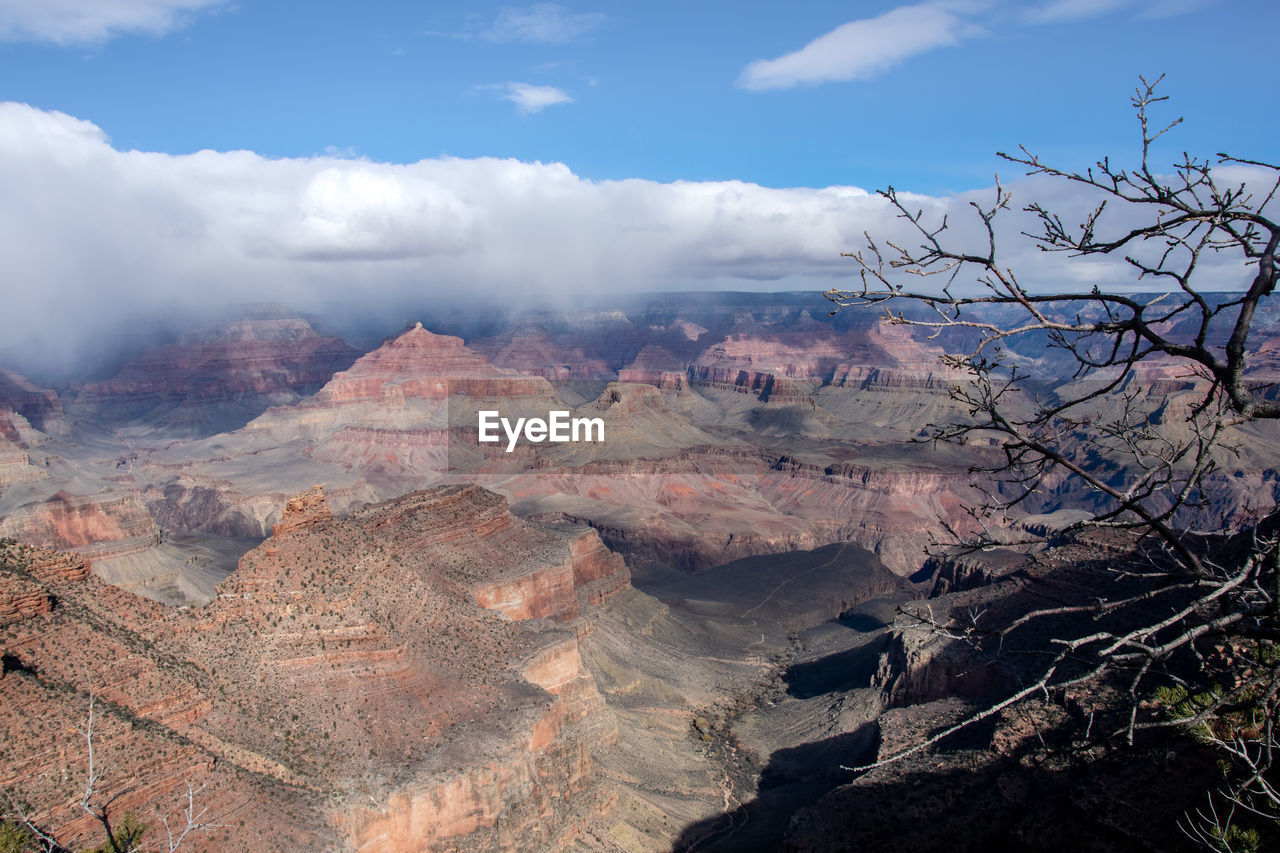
94,237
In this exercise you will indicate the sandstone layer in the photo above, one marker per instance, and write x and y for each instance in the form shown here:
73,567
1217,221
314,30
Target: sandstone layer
349,680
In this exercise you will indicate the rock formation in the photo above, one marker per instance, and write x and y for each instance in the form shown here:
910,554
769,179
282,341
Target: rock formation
302,510
675,479
405,679
655,365
771,428
530,350
218,379
110,524
38,407
17,439
420,364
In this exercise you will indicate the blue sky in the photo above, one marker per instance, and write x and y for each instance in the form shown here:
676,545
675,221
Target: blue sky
656,88
160,156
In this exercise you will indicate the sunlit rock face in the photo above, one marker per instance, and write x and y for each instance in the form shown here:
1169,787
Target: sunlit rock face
408,678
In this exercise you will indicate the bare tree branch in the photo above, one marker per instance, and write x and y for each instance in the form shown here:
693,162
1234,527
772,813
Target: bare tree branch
1141,461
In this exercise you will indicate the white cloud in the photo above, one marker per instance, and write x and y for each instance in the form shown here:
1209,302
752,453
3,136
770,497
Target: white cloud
1059,11
529,98
862,48
1076,10
369,211
541,23
81,21
97,239
1171,8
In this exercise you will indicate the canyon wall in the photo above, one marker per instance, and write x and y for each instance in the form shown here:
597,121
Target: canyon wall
347,675
215,379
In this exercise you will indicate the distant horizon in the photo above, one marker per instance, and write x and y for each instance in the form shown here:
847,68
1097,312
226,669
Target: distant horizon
101,355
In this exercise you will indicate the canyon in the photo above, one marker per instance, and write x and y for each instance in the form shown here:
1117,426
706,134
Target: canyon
289,574
396,679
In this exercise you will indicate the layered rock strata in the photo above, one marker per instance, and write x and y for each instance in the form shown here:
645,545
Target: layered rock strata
39,407
243,366
421,364
105,525
348,675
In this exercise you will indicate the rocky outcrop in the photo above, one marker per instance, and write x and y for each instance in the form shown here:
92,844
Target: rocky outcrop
921,665
547,587
782,362
523,572
48,565
20,599
25,573
777,362
958,573
867,378
17,439
787,352
303,510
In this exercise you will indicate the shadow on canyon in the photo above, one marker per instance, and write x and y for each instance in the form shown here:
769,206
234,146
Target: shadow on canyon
966,798
1028,783
792,779
840,671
